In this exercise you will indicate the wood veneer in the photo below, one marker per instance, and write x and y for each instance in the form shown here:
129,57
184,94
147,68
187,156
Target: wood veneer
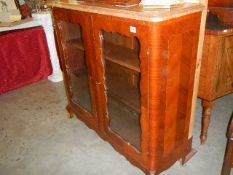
167,60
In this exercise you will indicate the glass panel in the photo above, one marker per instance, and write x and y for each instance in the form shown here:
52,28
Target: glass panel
71,35
122,73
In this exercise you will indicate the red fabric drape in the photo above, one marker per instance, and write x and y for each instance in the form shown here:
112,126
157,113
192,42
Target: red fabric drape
24,58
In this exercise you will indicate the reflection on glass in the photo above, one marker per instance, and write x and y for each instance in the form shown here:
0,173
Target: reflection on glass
122,73
76,64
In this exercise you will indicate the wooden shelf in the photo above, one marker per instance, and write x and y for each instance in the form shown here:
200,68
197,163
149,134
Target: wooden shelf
127,96
130,103
77,43
123,56
125,123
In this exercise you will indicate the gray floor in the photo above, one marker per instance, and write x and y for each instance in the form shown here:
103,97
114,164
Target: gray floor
36,138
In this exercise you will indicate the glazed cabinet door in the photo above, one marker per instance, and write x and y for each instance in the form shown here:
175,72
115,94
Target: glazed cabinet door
74,44
122,56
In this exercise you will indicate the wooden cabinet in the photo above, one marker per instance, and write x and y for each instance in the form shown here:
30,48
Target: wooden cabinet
220,3
131,80
216,76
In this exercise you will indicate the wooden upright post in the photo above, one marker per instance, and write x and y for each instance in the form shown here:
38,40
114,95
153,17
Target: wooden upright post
198,65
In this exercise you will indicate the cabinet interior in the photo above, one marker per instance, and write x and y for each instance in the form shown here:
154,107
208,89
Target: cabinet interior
122,78
75,62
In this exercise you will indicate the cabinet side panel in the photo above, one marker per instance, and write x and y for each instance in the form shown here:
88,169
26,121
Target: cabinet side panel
172,91
180,66
176,68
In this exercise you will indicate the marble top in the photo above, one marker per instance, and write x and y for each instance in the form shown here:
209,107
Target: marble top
135,11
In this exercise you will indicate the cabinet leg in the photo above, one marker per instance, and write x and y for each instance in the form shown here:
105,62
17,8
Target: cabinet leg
186,158
70,112
153,173
206,115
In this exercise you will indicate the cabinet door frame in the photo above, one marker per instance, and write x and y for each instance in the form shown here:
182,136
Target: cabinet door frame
123,26
83,20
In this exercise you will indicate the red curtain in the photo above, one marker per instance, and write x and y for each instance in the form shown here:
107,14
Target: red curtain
24,58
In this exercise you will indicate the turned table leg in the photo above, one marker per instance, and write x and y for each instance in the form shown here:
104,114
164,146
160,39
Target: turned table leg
206,115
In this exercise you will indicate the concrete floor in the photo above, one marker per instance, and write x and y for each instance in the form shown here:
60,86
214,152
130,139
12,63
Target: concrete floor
37,138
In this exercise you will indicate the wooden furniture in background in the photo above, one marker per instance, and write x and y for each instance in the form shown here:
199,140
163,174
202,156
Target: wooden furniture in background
220,3
226,14
216,77
131,79
228,158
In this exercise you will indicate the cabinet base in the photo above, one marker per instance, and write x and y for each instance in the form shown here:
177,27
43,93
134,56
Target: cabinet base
186,158
153,173
135,161
69,111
